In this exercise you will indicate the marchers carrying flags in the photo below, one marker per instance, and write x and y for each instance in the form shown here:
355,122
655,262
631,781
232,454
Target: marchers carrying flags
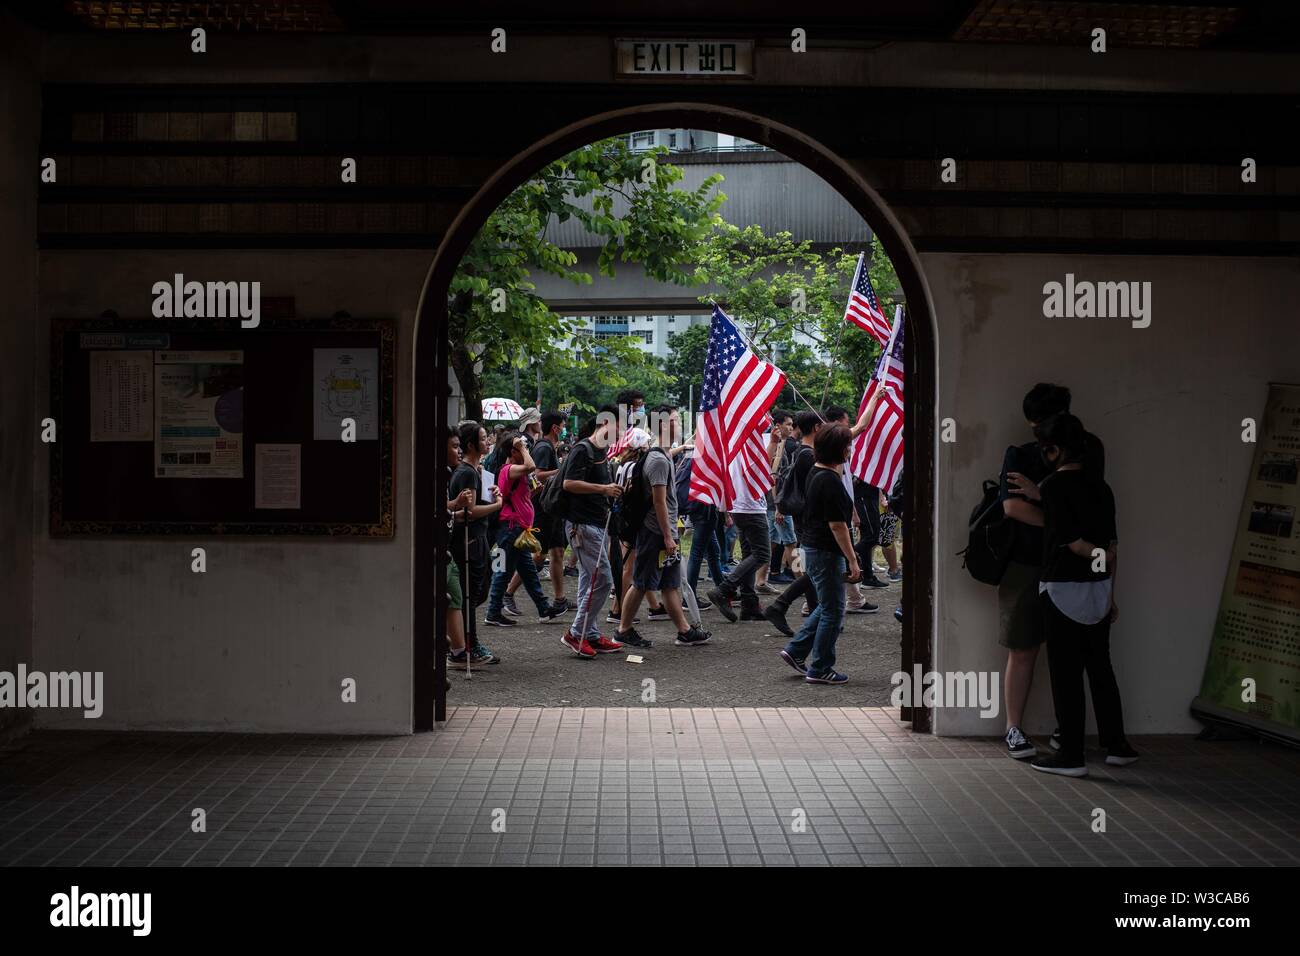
739,388
863,309
877,456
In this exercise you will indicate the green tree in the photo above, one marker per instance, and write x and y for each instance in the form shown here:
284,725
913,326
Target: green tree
762,281
496,318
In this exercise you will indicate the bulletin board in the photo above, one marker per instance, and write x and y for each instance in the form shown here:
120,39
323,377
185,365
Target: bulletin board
202,427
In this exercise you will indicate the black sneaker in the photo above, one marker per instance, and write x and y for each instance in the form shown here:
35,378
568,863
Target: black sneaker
826,677
722,601
1018,745
794,662
1055,741
570,572
563,604
866,607
631,638
1121,755
553,613
874,582
657,614
499,620
753,614
693,637
702,604
777,619
612,618
508,606
1057,764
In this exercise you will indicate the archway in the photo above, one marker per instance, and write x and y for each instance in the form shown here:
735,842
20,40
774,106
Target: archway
432,390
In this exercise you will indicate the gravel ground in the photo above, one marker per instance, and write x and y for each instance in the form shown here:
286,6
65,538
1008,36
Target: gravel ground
738,668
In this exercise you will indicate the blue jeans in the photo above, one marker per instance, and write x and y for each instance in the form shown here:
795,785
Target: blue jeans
821,629
704,544
516,560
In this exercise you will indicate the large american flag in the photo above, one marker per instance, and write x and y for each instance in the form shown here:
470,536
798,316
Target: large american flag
738,389
877,455
753,466
863,309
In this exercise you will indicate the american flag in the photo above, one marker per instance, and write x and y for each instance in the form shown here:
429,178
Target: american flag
877,455
738,389
620,445
753,466
863,309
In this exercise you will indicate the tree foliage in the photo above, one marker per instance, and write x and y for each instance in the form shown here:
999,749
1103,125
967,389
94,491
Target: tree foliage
629,199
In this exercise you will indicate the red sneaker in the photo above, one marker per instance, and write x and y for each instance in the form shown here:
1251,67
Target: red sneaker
603,645
579,646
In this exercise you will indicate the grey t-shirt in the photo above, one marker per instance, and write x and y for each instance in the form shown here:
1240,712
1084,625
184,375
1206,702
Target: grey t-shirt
658,470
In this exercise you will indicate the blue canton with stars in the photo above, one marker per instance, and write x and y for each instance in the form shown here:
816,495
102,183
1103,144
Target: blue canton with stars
725,349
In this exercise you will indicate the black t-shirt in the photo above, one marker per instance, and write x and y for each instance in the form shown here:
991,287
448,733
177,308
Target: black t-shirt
467,476
586,462
1076,504
825,501
1028,461
544,455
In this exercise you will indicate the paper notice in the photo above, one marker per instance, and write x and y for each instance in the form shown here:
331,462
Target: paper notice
121,395
278,476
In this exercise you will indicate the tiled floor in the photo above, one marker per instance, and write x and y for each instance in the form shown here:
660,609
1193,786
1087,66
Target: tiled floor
618,786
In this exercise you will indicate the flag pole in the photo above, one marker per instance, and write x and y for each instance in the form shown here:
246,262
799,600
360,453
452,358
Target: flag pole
768,358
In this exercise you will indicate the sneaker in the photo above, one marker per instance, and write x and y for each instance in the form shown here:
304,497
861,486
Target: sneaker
866,607
499,620
457,660
776,617
1057,764
785,577
563,604
509,606
873,582
693,637
570,572
579,646
1018,746
553,613
898,614
896,575
631,638
766,588
603,645
613,618
481,655
1055,742
1121,755
794,662
703,604
720,598
657,614
879,569
753,614
826,677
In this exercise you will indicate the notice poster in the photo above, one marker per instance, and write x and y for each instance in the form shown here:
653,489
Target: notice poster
277,476
347,386
121,395
1252,676
198,414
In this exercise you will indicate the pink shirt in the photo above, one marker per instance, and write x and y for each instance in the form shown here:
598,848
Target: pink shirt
518,506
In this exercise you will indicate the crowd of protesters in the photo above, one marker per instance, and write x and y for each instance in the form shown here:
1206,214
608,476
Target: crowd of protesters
601,515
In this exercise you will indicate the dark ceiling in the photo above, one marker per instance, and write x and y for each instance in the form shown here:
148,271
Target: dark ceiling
1249,25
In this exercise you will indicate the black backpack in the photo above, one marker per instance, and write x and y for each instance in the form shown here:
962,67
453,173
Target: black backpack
991,537
682,482
637,501
790,496
553,500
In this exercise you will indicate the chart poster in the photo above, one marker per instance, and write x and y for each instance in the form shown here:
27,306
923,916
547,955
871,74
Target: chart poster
198,414
347,386
278,476
121,395
1253,672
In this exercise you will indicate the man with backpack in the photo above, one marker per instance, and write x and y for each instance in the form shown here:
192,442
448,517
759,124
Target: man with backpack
652,495
580,494
1020,617
550,530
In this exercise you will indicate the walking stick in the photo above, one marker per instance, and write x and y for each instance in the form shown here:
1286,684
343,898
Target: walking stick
586,611
466,609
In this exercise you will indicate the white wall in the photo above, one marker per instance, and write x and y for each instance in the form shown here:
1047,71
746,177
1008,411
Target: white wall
262,640
1168,403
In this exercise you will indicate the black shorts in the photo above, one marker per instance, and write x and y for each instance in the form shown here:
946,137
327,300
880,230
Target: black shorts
550,531
646,573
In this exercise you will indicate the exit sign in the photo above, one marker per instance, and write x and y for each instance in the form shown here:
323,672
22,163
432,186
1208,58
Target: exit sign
697,58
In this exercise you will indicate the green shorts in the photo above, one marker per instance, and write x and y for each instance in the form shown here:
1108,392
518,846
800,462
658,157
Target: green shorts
1020,619
454,597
